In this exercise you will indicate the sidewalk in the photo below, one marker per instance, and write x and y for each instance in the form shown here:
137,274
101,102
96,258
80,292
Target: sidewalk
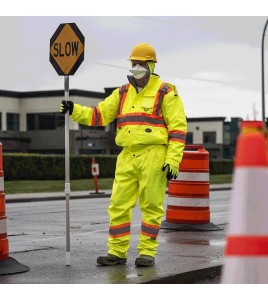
28,197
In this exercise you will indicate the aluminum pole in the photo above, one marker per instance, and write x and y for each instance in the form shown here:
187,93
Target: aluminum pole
263,83
67,188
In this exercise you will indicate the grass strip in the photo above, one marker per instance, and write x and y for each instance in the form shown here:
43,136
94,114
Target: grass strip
39,186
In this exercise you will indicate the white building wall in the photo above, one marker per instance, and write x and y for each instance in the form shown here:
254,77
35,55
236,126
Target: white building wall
8,104
39,105
197,128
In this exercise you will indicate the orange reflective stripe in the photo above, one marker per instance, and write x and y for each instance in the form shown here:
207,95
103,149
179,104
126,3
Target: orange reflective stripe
177,135
149,229
93,116
96,117
119,230
122,96
246,245
128,119
162,91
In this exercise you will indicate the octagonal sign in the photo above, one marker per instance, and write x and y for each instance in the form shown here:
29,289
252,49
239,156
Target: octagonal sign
67,49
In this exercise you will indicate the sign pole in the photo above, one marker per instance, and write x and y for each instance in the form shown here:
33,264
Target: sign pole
67,188
66,55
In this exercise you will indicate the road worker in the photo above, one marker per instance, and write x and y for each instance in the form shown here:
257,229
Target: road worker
151,129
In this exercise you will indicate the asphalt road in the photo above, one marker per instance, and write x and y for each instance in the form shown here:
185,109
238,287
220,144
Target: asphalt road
36,232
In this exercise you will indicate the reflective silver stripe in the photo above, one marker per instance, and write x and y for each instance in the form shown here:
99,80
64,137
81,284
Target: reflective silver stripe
159,98
177,136
164,89
190,202
3,226
152,231
140,119
97,121
192,176
124,230
122,95
1,184
158,104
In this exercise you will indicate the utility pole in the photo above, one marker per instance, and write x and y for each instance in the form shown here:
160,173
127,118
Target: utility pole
263,83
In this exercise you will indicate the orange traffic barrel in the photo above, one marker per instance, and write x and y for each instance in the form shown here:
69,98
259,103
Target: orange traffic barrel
188,195
8,265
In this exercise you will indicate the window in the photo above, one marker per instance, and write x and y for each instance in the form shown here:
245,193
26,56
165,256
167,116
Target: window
0,121
31,122
45,121
226,134
209,137
189,138
13,121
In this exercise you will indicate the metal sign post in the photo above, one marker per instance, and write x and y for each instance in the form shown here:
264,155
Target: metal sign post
67,187
66,55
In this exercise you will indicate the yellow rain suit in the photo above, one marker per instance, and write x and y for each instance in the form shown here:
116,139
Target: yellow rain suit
151,128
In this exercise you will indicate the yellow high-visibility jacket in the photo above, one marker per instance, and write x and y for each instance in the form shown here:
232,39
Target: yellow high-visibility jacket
153,116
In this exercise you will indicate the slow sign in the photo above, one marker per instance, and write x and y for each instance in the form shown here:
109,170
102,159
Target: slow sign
67,49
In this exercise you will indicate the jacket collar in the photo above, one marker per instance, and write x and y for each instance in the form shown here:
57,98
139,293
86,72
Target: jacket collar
151,87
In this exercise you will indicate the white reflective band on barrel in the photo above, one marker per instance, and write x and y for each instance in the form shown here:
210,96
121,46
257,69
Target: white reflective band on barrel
3,226
1,183
192,176
192,202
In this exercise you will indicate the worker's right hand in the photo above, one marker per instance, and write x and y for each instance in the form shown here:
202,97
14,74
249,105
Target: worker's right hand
66,106
172,171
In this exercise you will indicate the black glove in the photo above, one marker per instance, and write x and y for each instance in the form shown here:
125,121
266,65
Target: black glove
172,171
66,106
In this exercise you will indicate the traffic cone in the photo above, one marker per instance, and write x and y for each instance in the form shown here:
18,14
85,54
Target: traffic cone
188,201
246,249
8,265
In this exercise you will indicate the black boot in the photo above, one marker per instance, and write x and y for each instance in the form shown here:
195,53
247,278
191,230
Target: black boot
111,260
144,261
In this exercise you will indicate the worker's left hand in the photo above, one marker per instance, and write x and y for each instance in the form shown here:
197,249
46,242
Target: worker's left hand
172,171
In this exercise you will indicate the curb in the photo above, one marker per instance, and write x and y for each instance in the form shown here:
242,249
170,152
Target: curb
199,276
55,198
82,196
228,188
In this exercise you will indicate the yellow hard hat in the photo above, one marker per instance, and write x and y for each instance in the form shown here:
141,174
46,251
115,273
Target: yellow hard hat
143,52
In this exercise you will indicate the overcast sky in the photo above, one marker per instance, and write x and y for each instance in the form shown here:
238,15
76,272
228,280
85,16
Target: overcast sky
215,62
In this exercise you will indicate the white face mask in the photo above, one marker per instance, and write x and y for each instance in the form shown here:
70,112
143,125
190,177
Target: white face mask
138,71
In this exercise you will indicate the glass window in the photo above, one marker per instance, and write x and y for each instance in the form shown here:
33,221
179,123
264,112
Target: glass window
30,122
13,121
209,137
226,133
45,121
189,138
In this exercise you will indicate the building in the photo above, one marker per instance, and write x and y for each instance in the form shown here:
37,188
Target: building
216,134
30,122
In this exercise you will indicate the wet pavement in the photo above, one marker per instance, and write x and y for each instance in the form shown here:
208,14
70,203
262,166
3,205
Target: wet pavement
36,232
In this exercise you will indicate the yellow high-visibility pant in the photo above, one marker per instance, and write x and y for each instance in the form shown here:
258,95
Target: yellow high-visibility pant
137,176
